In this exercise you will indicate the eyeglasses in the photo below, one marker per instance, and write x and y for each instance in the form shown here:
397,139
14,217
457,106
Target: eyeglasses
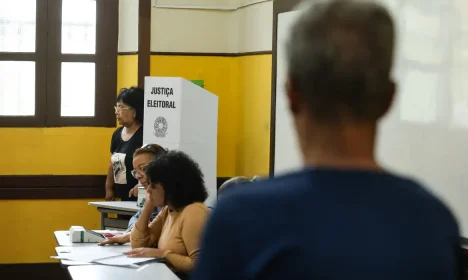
119,108
142,169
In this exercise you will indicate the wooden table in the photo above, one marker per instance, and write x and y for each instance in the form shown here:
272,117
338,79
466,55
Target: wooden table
127,208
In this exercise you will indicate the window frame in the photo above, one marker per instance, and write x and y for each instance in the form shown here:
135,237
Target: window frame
48,58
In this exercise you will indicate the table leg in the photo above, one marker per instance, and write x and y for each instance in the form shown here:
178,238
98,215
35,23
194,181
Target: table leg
113,223
103,218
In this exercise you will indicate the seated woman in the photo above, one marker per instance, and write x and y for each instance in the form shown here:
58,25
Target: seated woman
176,183
141,159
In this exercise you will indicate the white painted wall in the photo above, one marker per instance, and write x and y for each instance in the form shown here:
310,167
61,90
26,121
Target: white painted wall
128,26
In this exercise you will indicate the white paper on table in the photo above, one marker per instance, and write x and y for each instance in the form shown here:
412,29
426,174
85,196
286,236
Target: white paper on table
123,260
92,254
106,255
108,231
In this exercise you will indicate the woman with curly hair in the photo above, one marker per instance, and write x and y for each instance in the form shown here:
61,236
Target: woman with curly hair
175,183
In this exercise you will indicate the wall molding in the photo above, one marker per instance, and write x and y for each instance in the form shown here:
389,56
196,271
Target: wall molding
14,187
200,53
212,54
127,53
209,8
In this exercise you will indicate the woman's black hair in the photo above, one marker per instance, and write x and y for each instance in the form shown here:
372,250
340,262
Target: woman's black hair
134,97
181,178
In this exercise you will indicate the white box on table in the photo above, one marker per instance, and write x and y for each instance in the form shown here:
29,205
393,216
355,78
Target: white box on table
79,234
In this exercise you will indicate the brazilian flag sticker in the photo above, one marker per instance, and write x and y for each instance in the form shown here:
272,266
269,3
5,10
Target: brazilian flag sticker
200,83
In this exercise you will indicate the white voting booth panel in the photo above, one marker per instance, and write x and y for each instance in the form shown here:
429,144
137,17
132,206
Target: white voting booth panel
425,135
181,115
285,160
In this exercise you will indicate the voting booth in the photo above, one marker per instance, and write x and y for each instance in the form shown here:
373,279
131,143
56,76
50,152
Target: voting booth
183,116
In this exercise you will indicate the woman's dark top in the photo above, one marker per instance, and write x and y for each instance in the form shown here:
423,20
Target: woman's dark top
122,162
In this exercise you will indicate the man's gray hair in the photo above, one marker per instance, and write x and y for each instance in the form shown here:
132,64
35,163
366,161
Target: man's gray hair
236,181
340,56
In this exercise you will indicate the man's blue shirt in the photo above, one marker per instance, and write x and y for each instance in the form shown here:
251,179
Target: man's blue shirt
330,224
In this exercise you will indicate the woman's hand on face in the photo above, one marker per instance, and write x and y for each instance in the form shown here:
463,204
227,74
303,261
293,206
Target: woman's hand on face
149,207
145,253
116,240
133,191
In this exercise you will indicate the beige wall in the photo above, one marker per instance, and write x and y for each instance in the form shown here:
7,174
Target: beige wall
221,29
225,28
189,30
255,26
128,26
193,2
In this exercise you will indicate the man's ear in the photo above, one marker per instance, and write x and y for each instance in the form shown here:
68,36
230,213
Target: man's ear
391,96
293,97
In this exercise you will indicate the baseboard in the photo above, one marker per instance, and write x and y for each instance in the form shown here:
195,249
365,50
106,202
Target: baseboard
32,271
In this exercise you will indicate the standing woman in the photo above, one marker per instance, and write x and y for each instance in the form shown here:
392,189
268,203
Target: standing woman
125,140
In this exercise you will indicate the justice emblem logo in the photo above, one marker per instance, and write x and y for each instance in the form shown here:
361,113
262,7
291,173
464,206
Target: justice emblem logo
160,127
